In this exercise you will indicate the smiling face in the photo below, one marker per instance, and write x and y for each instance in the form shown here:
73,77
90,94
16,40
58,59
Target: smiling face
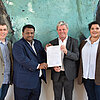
3,32
28,34
95,31
62,32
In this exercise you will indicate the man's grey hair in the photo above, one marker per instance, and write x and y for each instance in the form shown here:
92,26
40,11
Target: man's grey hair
61,23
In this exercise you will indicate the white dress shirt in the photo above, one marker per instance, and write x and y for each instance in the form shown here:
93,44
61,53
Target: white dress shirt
32,45
62,53
89,53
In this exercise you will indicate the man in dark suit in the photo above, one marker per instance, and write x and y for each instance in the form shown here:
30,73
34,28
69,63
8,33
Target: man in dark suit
63,76
29,65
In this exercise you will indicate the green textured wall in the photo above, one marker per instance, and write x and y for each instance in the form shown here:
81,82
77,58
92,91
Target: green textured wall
45,14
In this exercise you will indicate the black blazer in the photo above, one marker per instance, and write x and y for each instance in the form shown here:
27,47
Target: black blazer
70,60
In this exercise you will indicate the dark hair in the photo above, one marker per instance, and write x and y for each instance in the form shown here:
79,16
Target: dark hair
90,24
28,26
3,24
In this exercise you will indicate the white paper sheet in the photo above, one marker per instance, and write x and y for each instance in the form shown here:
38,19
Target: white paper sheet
54,56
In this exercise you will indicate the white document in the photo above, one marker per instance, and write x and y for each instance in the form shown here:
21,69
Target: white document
54,56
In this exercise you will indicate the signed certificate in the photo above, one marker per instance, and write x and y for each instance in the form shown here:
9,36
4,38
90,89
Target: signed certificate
54,56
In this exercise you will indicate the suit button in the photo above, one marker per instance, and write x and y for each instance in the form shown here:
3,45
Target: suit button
30,69
2,73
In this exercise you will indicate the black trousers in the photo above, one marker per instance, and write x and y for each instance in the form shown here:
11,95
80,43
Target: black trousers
58,86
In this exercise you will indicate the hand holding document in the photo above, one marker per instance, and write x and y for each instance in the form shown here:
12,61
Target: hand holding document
54,56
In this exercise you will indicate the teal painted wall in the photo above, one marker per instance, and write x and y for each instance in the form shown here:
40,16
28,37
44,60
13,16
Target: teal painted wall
45,14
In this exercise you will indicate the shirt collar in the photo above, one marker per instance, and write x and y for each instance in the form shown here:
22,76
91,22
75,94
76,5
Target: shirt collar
6,42
65,40
30,43
88,40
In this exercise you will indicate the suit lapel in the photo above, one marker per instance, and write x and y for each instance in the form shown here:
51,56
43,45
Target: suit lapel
98,50
1,56
30,48
68,43
36,47
56,42
10,48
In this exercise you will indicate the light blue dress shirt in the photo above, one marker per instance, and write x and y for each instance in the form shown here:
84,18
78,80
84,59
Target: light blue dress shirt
6,57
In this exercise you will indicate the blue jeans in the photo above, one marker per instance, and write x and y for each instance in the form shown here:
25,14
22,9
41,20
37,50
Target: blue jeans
3,91
93,90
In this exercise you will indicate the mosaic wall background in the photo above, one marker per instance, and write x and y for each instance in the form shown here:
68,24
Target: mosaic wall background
45,14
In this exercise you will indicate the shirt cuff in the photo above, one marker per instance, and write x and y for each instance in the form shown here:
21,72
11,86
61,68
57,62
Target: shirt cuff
38,66
40,74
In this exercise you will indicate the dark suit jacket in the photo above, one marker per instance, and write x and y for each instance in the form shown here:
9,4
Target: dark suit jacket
26,74
70,60
97,73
